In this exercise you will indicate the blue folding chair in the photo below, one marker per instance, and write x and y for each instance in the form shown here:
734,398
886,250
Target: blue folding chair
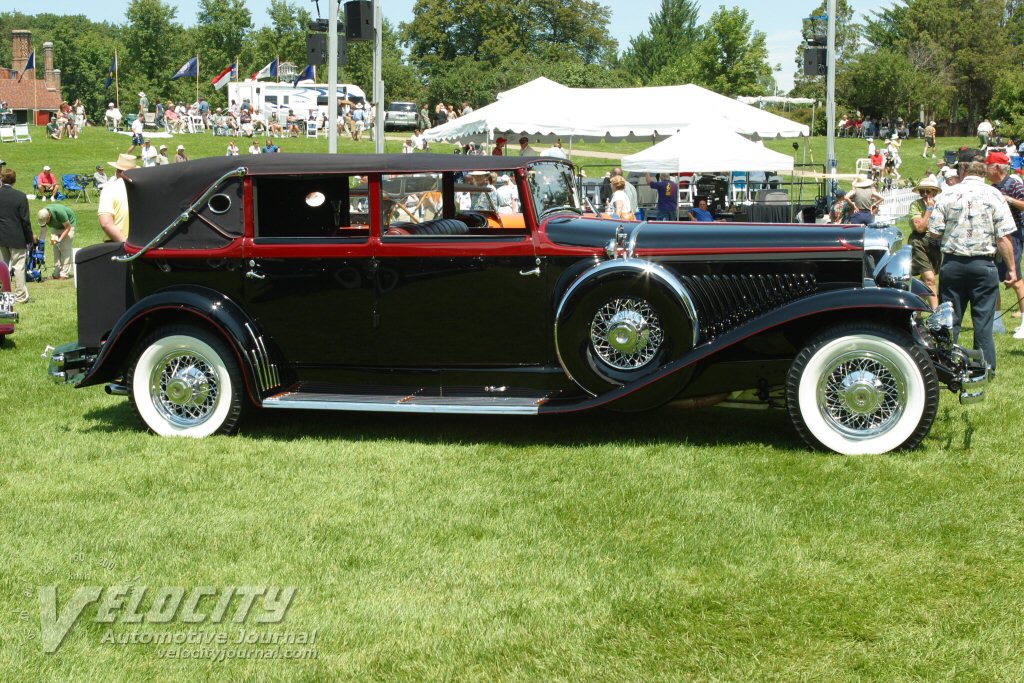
75,187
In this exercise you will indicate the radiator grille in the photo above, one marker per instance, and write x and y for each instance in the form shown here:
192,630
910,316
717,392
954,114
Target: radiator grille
724,302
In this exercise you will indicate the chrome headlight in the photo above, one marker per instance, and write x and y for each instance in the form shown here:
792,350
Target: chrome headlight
894,270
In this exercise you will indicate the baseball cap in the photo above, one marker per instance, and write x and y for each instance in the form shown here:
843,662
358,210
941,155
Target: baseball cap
997,158
181,146
46,168
949,172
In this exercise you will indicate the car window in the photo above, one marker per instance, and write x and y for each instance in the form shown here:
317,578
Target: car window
451,205
402,106
553,188
311,207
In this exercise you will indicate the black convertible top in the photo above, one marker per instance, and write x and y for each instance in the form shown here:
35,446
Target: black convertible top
159,194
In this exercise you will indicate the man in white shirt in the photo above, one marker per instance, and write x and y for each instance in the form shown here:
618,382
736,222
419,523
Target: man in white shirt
525,150
555,151
112,117
149,154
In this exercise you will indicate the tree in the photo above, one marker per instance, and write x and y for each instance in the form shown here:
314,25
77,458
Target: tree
673,31
149,33
443,30
284,38
731,58
222,28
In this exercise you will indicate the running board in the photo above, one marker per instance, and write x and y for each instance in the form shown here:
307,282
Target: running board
486,404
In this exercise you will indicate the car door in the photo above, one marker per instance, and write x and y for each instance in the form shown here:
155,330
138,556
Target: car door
452,292
308,272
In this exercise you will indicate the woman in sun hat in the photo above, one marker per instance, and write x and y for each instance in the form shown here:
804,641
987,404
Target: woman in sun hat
927,256
864,199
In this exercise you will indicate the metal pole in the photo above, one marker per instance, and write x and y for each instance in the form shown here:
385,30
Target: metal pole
332,78
830,98
378,82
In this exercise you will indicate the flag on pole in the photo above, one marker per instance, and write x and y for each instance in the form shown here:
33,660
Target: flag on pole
110,72
269,71
30,64
191,68
224,77
308,74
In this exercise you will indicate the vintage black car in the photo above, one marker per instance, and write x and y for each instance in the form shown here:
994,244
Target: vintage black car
450,284
8,316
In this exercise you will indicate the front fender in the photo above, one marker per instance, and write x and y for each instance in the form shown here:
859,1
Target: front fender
203,305
658,387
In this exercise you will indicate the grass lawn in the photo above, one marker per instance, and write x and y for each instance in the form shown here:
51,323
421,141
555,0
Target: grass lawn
674,545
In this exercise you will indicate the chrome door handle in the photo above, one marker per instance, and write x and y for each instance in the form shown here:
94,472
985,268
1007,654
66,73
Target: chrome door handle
253,275
527,273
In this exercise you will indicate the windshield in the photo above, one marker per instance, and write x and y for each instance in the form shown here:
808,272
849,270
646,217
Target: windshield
402,106
553,188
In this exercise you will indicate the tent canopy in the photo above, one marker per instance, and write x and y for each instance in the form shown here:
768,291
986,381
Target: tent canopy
546,109
705,148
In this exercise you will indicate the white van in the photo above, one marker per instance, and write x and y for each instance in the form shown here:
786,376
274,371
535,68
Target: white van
275,99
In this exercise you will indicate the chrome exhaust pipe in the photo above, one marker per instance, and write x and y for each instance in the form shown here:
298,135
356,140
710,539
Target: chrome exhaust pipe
116,389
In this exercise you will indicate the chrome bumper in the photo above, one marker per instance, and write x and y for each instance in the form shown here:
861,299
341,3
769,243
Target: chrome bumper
69,363
7,314
972,388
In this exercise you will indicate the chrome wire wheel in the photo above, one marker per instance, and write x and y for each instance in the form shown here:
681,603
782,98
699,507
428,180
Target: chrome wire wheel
184,388
862,394
626,333
862,388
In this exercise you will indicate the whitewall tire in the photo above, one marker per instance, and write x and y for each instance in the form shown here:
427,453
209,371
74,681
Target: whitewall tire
185,381
862,389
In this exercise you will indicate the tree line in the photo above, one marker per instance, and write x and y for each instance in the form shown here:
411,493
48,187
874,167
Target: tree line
958,59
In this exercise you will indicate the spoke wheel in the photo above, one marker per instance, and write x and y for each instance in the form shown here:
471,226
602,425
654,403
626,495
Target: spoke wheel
862,389
185,381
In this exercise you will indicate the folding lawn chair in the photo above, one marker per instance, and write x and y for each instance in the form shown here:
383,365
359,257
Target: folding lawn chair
21,133
7,134
76,186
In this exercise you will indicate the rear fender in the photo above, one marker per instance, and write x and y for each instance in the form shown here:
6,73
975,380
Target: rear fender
811,313
187,304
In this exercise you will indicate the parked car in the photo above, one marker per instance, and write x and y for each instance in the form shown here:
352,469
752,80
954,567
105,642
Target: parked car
400,115
8,316
390,283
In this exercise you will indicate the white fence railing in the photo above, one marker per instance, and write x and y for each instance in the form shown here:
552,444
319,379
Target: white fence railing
896,205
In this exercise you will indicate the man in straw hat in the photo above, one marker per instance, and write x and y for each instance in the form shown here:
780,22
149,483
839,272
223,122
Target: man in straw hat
927,257
864,199
113,205
974,224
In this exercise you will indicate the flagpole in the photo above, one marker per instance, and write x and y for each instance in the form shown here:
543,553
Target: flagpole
117,85
197,75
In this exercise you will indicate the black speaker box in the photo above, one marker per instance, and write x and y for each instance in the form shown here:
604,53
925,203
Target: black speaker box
359,20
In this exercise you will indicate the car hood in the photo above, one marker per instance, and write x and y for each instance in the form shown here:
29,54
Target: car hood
732,237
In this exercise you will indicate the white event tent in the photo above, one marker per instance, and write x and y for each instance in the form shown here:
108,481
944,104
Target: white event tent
545,109
707,148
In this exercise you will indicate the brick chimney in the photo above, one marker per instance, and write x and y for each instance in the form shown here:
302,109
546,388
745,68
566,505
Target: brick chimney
56,80
21,42
47,65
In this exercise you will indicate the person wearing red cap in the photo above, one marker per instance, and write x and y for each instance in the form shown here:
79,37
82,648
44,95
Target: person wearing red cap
499,147
997,167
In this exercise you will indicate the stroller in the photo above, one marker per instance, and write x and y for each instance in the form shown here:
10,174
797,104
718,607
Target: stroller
35,264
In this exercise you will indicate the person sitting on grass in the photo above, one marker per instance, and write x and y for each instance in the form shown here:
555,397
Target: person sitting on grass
47,182
53,130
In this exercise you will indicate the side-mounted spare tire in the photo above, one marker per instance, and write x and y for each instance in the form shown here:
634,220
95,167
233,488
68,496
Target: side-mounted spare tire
862,388
621,325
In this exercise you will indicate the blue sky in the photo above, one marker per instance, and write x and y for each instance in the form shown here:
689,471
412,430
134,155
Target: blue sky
778,19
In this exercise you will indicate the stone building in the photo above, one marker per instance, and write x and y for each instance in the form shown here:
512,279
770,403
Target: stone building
34,98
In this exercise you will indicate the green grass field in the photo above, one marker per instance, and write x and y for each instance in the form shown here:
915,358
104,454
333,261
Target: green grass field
674,545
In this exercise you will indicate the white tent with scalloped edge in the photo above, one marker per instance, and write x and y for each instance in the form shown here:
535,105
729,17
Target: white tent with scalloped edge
707,148
544,109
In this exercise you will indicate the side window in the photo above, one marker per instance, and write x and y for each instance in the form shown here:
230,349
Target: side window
311,208
451,205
